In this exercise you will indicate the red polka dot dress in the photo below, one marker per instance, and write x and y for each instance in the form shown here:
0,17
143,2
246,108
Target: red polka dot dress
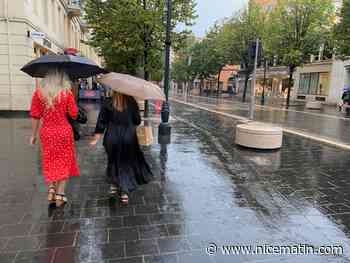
56,135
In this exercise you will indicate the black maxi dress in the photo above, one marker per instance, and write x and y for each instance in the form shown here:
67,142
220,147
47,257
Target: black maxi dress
127,166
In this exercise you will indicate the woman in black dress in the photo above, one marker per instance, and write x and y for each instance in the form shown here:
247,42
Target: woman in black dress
127,167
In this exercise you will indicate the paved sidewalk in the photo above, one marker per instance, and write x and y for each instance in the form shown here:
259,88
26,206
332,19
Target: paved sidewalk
206,190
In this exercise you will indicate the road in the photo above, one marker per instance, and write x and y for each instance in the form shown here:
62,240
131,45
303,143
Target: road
327,125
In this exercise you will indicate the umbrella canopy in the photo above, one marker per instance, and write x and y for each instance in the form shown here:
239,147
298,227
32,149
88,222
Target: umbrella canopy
132,86
75,66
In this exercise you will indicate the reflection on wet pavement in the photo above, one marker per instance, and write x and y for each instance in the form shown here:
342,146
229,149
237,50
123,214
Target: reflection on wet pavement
207,190
327,123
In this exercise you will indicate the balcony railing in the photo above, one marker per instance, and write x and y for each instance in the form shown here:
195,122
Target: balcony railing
74,8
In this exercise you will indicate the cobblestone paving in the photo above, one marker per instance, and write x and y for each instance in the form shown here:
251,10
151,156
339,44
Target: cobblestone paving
206,190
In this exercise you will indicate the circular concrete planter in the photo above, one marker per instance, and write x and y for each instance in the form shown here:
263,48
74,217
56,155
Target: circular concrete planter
314,105
259,136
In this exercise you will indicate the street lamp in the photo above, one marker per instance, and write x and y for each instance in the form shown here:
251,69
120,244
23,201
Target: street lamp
264,85
164,127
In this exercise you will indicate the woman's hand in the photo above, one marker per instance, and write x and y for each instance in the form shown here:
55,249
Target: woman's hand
95,140
32,140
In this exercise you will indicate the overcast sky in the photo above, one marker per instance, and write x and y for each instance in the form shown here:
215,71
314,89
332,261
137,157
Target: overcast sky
209,11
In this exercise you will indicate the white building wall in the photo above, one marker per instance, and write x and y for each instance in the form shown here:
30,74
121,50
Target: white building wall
337,82
17,17
339,78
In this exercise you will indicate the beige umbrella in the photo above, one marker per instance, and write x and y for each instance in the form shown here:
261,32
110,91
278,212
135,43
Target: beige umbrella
132,86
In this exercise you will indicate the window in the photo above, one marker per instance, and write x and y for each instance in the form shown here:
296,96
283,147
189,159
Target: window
53,15
45,11
314,84
314,77
35,6
59,22
304,84
324,84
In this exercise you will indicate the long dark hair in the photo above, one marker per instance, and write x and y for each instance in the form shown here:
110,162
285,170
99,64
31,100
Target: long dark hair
119,101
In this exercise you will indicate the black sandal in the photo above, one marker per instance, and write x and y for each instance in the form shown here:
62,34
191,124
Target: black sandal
113,190
61,200
124,198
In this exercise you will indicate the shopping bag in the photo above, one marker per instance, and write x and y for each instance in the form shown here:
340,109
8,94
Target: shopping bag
145,135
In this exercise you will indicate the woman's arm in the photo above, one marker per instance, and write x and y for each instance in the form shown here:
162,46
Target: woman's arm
35,129
72,106
102,123
36,112
96,138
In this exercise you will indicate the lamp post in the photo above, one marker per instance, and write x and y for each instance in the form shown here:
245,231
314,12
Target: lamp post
255,51
164,127
264,85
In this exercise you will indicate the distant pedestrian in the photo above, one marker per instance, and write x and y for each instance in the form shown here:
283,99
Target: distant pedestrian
346,101
51,103
127,167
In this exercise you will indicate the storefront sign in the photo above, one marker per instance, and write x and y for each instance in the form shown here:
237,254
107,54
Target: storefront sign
90,94
35,34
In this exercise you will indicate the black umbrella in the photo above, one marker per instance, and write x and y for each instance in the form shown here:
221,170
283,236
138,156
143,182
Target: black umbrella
75,66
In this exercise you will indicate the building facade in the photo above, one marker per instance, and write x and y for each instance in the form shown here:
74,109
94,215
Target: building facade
30,29
227,83
320,79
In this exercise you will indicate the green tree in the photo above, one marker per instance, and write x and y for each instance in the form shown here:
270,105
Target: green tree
342,31
298,28
218,56
182,69
208,56
237,35
130,34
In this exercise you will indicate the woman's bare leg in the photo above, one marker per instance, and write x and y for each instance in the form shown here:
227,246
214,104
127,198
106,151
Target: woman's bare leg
61,187
51,192
60,193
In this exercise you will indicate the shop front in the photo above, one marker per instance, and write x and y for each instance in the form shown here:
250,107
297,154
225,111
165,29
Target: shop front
313,81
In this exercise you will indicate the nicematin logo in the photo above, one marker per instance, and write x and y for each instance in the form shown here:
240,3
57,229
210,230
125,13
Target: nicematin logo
299,249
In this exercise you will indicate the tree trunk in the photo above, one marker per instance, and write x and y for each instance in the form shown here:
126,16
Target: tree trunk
290,83
245,86
218,84
201,87
264,85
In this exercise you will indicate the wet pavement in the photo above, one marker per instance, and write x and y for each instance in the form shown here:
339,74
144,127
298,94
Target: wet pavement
206,190
328,123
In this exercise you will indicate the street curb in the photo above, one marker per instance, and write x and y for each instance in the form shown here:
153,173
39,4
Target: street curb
265,107
287,130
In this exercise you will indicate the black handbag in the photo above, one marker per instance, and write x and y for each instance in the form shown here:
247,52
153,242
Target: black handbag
81,119
82,116
76,130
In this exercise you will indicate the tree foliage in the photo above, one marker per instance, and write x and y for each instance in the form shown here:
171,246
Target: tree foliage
289,33
130,34
342,31
298,29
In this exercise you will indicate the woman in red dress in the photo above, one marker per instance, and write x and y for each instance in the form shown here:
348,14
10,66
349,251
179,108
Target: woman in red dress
51,104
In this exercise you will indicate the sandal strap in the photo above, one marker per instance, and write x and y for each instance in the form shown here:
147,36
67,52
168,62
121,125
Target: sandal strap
124,196
61,197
